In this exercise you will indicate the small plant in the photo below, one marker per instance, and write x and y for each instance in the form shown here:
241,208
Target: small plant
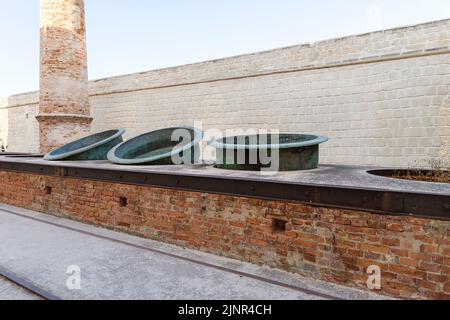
431,170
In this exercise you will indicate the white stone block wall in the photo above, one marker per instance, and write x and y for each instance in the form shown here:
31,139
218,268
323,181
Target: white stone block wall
382,98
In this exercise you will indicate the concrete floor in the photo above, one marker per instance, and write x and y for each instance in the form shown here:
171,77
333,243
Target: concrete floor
40,249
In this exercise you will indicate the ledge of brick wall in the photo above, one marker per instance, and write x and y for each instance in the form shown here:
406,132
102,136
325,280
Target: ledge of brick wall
380,97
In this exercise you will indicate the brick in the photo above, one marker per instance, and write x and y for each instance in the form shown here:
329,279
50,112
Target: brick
421,256
359,223
400,252
407,271
258,242
355,253
427,284
373,256
304,243
433,295
438,278
376,224
445,251
355,237
447,288
64,61
406,280
343,221
409,289
429,249
373,239
438,259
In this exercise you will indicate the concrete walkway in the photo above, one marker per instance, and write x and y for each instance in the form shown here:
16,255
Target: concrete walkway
41,249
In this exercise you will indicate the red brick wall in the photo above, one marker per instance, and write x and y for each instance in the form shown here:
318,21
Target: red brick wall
64,113
328,244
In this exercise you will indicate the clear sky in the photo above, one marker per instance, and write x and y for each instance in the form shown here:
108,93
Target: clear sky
126,36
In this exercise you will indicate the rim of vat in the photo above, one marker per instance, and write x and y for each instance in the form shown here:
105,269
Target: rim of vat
115,133
198,137
314,140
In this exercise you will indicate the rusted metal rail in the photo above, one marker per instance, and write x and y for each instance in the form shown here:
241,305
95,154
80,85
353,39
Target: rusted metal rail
379,201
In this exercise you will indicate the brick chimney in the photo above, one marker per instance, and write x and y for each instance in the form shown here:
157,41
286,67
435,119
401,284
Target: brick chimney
64,113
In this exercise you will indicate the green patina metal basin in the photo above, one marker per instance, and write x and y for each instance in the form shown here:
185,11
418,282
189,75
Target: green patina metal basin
170,146
274,152
94,147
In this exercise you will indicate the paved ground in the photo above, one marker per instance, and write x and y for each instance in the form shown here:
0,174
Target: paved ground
10,291
41,249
